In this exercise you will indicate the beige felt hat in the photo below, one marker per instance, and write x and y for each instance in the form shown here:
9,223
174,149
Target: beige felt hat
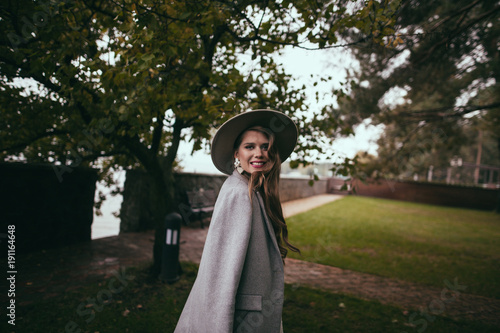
284,129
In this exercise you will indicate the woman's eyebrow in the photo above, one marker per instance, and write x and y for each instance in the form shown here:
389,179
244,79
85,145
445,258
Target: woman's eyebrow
254,144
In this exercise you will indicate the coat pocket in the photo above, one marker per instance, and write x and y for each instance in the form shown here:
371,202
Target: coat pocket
248,302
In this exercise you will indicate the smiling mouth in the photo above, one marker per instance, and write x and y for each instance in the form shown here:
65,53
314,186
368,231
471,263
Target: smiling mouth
257,164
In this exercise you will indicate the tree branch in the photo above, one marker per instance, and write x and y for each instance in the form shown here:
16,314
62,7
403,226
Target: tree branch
92,157
157,133
457,32
22,145
137,149
176,139
440,113
463,10
26,73
296,44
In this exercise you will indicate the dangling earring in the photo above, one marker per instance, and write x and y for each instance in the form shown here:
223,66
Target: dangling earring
237,165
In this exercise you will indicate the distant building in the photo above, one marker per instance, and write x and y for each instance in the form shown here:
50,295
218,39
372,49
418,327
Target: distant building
322,170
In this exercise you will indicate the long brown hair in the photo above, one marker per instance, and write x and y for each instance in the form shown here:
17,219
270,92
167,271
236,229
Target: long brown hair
267,184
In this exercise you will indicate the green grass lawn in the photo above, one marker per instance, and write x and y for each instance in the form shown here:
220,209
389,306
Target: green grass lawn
146,305
413,242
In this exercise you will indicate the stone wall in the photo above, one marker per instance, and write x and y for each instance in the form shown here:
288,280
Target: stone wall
135,214
297,188
431,193
290,188
338,186
48,211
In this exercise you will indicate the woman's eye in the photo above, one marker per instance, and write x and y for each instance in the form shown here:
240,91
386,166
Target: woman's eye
249,147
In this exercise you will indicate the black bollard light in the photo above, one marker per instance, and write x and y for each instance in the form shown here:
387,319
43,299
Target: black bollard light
170,266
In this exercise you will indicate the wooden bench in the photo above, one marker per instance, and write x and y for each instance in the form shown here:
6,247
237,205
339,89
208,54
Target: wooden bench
201,203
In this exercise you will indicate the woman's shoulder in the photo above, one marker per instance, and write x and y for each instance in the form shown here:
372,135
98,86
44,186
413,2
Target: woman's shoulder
235,180
233,197
235,185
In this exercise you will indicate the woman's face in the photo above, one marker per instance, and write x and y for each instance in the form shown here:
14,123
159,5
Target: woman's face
252,152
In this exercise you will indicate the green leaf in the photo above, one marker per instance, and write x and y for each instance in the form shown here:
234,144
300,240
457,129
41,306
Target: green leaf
147,57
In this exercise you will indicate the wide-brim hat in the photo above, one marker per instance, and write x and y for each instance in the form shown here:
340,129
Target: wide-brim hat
281,125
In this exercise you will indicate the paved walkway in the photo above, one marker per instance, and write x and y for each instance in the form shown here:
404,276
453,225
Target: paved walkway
302,205
50,273
193,239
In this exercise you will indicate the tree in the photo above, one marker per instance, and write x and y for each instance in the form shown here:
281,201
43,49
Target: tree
436,70
121,83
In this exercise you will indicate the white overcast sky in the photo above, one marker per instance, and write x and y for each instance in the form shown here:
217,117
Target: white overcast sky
301,64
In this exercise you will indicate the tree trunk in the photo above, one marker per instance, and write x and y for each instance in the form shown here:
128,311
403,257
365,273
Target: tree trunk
478,157
498,196
162,203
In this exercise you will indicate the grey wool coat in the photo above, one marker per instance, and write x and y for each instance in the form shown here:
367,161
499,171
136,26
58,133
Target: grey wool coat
240,282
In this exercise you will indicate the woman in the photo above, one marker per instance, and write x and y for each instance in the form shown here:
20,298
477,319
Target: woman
240,282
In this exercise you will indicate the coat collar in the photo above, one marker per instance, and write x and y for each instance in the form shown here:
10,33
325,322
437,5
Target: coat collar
239,176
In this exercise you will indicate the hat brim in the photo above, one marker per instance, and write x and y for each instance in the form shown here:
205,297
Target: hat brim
281,125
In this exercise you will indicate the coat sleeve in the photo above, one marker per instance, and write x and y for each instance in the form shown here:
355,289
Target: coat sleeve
211,304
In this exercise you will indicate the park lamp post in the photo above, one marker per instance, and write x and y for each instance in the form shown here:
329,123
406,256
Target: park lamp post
456,161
